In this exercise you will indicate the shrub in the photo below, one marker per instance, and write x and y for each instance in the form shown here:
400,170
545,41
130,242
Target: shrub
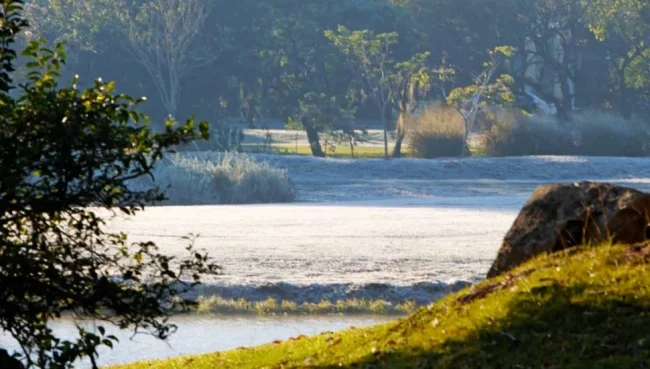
437,132
608,134
515,134
229,178
589,133
66,152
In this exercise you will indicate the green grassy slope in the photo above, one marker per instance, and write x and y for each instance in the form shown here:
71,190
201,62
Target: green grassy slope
587,309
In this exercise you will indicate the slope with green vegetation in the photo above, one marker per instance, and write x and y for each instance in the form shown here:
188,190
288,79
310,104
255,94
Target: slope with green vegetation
588,308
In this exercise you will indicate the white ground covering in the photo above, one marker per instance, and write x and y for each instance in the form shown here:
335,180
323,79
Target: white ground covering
407,229
326,180
311,251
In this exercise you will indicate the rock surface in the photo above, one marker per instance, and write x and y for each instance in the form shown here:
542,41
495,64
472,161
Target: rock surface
559,216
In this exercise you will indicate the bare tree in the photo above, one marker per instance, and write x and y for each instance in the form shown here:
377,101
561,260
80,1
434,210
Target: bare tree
164,36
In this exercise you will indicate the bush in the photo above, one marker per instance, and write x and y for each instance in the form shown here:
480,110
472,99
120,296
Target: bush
64,153
229,178
437,132
609,134
515,134
589,133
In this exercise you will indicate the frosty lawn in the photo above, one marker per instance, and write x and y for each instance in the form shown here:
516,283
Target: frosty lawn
324,180
309,252
439,231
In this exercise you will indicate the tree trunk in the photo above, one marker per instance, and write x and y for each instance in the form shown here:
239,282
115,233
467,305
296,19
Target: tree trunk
401,133
464,150
384,119
314,140
564,109
469,123
624,107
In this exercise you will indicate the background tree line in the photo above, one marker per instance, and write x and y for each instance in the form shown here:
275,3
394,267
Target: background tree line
319,64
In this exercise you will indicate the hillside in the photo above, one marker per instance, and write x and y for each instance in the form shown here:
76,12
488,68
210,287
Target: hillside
589,308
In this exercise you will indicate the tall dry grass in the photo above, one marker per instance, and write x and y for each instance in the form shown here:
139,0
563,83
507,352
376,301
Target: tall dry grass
271,306
600,133
515,134
588,133
436,132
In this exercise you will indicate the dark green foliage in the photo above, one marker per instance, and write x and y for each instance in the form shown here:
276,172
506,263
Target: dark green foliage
64,150
319,113
513,134
599,133
588,133
267,55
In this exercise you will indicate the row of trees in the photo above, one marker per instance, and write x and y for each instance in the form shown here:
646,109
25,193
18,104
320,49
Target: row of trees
373,58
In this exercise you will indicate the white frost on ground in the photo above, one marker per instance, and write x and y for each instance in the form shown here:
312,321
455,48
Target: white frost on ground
326,180
400,230
306,252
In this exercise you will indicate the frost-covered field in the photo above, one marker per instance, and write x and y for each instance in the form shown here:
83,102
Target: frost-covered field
397,230
327,180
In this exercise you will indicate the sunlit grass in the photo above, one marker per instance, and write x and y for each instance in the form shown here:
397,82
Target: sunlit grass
341,151
587,309
271,306
360,152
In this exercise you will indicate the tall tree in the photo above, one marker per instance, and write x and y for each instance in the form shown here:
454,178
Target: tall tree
79,23
65,151
298,64
165,36
624,28
388,84
320,113
370,57
551,49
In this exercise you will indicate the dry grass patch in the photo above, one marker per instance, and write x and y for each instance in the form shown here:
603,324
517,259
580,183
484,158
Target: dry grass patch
437,132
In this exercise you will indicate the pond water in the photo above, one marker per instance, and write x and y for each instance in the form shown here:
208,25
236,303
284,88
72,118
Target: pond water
199,334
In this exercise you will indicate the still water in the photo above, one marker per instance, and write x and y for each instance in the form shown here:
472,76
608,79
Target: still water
203,334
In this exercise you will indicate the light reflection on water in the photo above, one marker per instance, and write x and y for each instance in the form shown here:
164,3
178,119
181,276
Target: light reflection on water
199,334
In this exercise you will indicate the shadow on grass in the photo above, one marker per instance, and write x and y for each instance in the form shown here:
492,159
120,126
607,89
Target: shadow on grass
551,327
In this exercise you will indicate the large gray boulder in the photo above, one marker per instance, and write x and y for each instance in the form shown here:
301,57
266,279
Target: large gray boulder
559,216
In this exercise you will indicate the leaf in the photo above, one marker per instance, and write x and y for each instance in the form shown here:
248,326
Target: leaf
336,342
